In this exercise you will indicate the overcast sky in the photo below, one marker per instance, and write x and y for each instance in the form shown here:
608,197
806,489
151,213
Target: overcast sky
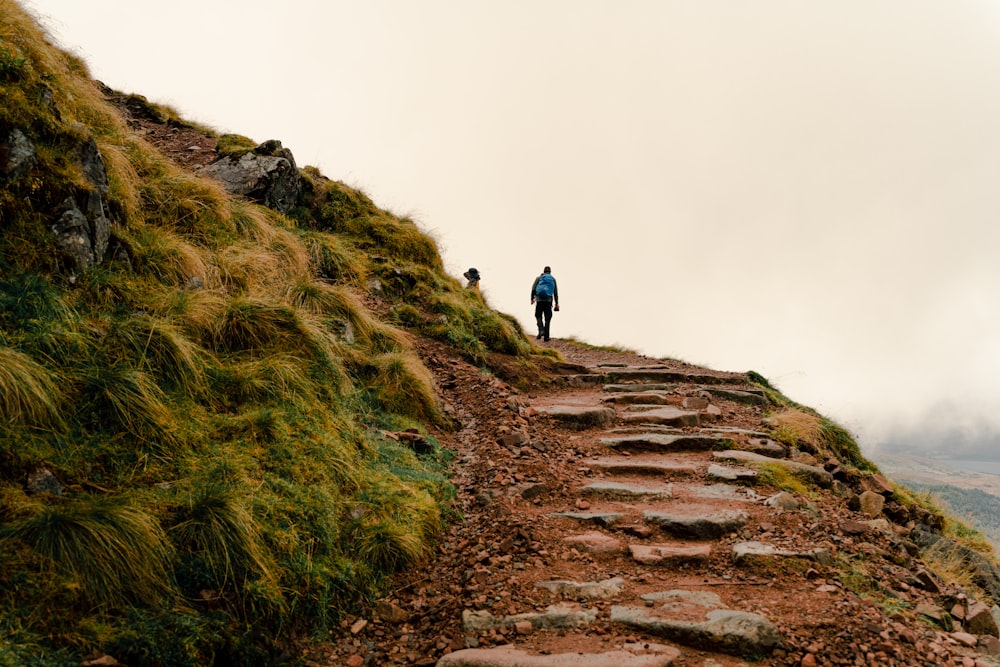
806,189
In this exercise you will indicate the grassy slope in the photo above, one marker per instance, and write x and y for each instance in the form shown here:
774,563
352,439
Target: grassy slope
216,431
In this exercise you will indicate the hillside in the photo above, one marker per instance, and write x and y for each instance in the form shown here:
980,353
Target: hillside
247,418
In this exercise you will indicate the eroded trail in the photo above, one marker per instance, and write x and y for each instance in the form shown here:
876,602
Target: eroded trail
622,517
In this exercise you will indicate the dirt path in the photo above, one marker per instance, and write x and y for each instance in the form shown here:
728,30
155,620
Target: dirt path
608,522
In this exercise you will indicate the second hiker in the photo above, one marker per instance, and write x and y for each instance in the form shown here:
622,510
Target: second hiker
544,293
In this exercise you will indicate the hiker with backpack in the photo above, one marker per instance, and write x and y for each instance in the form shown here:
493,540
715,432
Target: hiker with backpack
544,293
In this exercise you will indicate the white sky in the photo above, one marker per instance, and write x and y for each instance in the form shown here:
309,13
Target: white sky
806,189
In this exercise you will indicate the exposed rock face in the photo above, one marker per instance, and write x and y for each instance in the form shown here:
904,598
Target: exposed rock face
17,154
267,175
80,220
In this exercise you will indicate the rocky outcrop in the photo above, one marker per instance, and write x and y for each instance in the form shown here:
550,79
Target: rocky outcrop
79,219
266,175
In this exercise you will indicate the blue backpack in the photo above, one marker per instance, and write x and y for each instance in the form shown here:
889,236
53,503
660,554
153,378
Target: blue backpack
546,285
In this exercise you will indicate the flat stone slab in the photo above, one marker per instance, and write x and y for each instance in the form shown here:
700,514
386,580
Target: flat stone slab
621,491
817,474
697,521
735,632
743,551
724,491
669,554
644,398
510,656
605,519
730,474
579,416
641,386
588,590
668,414
594,542
665,442
664,375
629,466
563,615
744,396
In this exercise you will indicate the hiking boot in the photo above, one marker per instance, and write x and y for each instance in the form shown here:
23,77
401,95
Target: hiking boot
538,337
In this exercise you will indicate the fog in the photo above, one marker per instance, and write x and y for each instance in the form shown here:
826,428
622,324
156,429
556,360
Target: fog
808,190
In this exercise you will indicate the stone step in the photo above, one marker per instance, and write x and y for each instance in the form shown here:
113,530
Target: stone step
668,414
728,630
699,522
748,551
664,375
594,542
587,590
560,616
604,519
670,554
644,398
511,656
814,473
579,416
653,386
622,491
731,474
666,442
721,491
744,396
646,466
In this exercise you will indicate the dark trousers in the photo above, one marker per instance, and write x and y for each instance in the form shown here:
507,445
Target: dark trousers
543,317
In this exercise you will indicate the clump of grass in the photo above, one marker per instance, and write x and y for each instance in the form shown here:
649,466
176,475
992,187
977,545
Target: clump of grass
783,478
805,429
29,393
214,527
108,551
402,385
334,258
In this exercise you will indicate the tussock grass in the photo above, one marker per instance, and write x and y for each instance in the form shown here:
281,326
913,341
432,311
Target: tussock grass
161,349
168,257
107,551
402,385
334,258
805,429
214,527
127,399
783,478
29,393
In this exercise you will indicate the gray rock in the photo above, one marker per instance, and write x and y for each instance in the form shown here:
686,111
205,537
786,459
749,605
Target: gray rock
871,503
621,491
663,375
730,474
631,466
664,442
606,519
669,554
783,500
815,473
743,551
41,480
744,396
266,175
579,416
17,155
979,621
589,590
697,522
641,398
725,630
555,617
509,656
614,388
668,414
594,542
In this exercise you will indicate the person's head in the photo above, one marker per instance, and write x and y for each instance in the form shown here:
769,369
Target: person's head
547,269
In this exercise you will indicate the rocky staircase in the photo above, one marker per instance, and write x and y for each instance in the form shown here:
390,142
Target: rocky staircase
669,515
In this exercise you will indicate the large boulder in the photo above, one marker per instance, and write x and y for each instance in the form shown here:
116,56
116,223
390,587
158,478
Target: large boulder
266,175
